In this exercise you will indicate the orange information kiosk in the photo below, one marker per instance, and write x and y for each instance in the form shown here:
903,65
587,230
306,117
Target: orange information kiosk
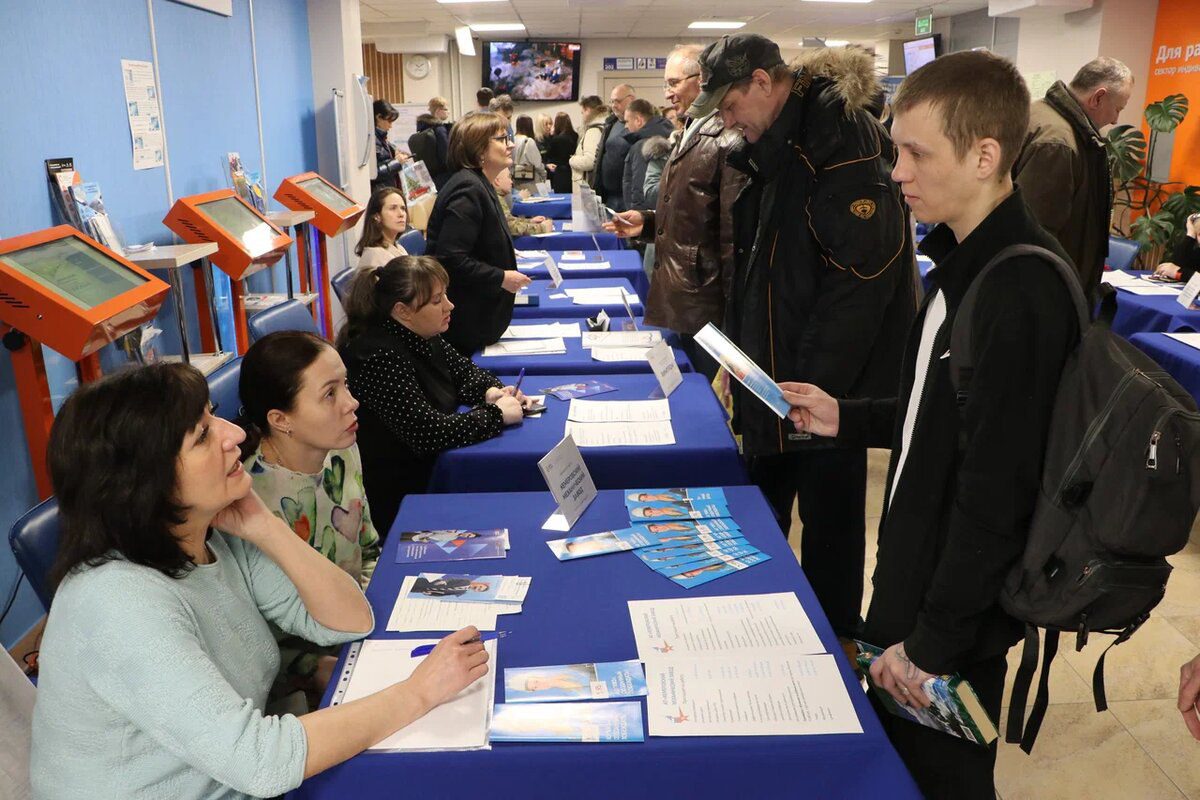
67,291
246,243
335,213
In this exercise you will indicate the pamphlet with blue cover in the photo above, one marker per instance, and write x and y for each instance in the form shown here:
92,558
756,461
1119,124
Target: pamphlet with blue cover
567,391
698,574
601,681
739,365
451,545
688,531
595,544
655,504
470,588
567,722
673,565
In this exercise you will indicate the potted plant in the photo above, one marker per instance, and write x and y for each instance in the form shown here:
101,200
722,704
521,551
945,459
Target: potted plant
1149,212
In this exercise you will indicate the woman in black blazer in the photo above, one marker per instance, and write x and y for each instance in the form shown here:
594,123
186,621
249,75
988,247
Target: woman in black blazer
559,148
1185,258
468,235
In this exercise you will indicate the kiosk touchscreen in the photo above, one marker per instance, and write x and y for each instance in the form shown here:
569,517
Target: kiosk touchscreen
335,211
246,240
62,289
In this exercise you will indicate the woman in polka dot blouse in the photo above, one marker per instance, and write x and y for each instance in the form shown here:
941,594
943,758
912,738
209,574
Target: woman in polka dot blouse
411,383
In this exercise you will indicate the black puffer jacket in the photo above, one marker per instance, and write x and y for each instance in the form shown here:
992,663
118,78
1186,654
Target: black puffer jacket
824,287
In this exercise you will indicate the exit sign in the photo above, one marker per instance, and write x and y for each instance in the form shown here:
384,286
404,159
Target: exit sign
924,24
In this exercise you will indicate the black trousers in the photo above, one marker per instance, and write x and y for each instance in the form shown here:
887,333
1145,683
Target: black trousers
945,766
703,363
829,488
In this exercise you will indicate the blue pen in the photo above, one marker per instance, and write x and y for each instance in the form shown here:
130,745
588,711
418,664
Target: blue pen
520,377
426,649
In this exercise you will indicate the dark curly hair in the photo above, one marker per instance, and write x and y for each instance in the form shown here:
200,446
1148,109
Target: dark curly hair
113,457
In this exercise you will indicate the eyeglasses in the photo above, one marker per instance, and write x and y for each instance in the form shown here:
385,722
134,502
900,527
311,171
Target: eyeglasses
503,138
671,83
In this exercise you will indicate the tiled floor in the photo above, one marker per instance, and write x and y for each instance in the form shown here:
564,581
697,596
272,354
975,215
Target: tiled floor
1139,748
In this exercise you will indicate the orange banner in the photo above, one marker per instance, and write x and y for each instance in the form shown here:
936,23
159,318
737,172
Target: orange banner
1175,69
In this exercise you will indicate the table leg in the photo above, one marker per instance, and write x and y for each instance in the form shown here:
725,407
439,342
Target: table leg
236,290
177,294
214,328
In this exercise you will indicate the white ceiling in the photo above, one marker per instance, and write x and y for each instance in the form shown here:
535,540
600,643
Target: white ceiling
785,21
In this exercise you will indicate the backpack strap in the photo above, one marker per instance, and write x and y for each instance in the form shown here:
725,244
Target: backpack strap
1098,693
961,352
1019,730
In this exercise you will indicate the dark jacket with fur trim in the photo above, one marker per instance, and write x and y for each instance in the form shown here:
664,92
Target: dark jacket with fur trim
824,287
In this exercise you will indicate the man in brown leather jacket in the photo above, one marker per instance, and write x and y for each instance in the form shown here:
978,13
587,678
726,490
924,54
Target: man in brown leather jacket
692,226
1063,168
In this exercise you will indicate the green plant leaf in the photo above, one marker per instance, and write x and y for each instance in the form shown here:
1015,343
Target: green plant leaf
1165,115
1153,230
1126,148
1180,205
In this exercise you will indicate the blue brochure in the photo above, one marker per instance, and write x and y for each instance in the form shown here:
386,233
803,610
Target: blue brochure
665,504
567,722
596,544
451,545
739,365
653,557
698,574
673,565
566,391
574,682
687,531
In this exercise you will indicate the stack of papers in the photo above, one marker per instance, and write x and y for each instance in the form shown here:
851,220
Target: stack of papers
435,601
1139,284
566,266
462,723
526,347
743,665
549,330
630,423
532,255
601,296
604,339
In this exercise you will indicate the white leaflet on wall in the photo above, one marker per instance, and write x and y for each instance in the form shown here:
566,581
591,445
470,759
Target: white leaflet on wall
143,110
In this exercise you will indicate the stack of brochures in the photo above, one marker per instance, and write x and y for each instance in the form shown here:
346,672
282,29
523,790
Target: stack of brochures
525,347
438,601
683,534
451,544
540,704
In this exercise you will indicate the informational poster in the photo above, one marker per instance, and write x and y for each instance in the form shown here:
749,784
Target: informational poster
1174,68
1040,82
145,116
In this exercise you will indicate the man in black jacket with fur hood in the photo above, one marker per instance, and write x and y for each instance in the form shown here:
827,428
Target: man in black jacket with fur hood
823,288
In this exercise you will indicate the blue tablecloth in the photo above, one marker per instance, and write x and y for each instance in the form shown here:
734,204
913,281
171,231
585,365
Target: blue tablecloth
577,360
559,207
1137,313
569,240
704,452
1181,361
564,307
624,264
575,613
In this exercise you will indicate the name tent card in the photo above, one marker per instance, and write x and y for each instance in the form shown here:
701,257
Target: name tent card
570,483
662,362
556,277
1190,290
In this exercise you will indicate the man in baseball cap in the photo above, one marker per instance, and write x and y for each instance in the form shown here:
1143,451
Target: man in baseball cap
822,284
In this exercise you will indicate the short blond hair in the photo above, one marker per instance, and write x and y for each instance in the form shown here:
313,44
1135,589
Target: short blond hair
438,102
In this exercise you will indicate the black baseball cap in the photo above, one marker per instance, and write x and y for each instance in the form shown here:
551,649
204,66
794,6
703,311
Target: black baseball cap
727,61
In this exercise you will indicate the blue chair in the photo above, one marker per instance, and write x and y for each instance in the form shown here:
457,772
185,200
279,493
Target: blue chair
290,315
1121,253
34,542
223,389
413,243
341,283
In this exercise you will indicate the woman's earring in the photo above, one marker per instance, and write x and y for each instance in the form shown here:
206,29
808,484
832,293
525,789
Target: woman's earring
289,432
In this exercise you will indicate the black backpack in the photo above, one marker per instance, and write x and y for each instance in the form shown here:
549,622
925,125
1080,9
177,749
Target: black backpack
1120,488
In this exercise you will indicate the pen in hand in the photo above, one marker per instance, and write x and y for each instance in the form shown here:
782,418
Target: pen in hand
426,649
520,377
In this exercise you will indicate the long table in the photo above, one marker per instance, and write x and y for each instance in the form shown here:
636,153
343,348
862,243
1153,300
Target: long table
1181,361
576,612
1138,313
577,360
552,306
566,239
622,265
704,452
558,207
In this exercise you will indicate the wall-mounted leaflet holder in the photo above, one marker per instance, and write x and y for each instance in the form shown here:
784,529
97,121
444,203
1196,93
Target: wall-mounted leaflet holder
339,109
367,117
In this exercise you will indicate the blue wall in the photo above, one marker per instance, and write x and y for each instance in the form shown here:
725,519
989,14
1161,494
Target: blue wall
62,96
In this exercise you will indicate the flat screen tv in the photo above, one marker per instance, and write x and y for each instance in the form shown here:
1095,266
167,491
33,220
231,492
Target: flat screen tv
532,70
919,52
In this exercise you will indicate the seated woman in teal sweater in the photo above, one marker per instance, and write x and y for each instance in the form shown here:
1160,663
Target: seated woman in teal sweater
157,654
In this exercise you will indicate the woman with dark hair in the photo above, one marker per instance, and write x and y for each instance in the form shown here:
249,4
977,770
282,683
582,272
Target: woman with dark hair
1185,257
528,168
302,458
158,653
410,382
388,159
560,146
385,219
468,236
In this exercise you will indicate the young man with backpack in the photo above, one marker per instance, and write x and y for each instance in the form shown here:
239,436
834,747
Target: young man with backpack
963,481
